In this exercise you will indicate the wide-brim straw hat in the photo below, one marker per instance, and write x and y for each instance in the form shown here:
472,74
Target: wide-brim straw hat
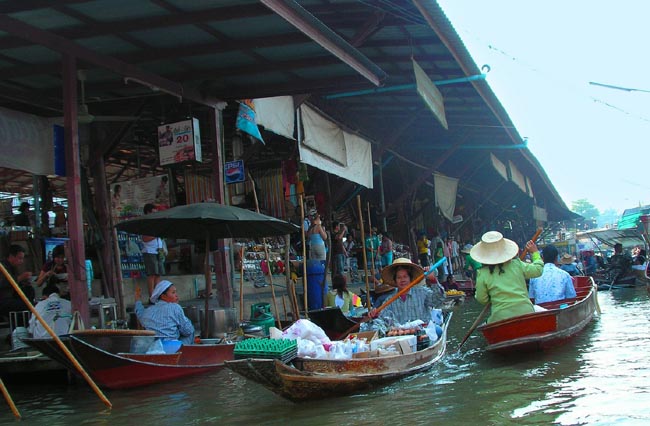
493,249
388,273
566,259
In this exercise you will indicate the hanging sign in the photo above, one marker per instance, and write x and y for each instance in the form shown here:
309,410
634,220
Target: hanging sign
179,142
234,171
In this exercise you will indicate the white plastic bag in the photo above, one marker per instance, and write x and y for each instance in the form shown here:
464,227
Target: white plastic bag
305,329
309,349
436,316
432,331
156,348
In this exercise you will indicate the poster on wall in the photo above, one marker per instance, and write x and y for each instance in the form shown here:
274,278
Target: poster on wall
50,243
129,197
234,171
179,142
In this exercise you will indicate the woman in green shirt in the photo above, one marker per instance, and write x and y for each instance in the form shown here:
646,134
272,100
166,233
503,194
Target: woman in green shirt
502,279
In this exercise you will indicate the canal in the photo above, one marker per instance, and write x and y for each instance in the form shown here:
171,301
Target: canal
601,378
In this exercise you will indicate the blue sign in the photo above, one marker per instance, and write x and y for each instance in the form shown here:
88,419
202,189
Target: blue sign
59,151
234,171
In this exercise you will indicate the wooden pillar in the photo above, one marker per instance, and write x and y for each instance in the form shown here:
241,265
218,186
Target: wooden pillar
108,257
76,262
222,264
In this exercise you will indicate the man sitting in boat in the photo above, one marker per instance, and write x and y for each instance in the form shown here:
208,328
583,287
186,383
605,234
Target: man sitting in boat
502,279
567,264
554,284
56,312
165,316
619,264
414,305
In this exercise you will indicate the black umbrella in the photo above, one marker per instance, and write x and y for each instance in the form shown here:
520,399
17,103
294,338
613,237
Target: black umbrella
205,221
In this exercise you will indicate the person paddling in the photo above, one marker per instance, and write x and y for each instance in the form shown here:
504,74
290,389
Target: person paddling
502,279
416,304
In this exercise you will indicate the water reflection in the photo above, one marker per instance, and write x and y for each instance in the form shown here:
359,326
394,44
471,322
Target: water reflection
601,378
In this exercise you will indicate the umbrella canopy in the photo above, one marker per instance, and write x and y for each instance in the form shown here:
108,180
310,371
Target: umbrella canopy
200,220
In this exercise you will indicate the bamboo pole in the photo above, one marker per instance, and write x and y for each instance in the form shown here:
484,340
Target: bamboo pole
54,336
241,285
372,244
284,307
291,289
304,255
268,260
10,401
363,247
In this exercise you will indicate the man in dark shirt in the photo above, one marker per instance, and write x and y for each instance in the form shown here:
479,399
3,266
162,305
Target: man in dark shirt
338,249
9,299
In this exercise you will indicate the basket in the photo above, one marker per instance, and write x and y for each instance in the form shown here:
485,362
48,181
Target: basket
282,349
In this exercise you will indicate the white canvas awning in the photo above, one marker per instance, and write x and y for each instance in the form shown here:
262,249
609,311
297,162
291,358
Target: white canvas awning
276,115
27,141
329,148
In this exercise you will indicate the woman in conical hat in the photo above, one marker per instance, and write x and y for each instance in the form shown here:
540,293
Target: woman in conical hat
502,279
417,303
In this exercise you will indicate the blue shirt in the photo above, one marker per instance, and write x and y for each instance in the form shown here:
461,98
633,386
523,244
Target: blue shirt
417,305
554,284
167,320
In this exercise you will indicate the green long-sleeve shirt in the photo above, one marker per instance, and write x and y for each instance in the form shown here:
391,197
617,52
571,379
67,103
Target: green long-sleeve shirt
507,292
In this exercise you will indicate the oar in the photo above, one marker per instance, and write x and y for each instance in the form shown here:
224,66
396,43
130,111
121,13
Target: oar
9,400
487,306
54,336
396,296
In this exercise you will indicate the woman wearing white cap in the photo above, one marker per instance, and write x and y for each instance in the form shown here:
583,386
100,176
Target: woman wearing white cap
502,279
165,316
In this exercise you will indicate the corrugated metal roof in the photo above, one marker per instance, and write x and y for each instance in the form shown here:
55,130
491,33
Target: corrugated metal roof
239,49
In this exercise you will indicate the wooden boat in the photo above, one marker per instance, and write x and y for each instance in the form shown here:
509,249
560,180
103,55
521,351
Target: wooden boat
630,280
308,379
542,330
109,361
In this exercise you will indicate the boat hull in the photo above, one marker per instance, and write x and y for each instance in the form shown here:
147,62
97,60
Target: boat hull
547,329
107,360
309,379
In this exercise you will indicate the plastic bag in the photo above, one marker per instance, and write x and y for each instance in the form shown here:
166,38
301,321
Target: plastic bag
305,329
156,348
309,349
433,331
436,316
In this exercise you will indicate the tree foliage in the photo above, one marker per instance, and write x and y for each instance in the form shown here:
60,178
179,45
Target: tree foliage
585,209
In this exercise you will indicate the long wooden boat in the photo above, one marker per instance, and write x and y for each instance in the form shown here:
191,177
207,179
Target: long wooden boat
562,320
308,379
109,361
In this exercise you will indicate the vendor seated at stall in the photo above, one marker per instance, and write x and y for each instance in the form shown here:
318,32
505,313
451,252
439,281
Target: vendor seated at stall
9,299
55,311
165,316
52,270
416,304
340,296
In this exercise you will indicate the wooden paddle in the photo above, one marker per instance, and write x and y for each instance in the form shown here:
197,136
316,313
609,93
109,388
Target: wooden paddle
54,336
396,296
485,310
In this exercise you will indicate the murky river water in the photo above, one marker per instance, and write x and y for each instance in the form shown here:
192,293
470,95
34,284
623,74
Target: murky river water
602,378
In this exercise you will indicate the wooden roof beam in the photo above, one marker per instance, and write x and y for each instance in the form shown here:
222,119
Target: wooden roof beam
328,39
128,71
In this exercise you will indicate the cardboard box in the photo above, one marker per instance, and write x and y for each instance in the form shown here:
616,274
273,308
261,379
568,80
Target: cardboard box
410,343
368,335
